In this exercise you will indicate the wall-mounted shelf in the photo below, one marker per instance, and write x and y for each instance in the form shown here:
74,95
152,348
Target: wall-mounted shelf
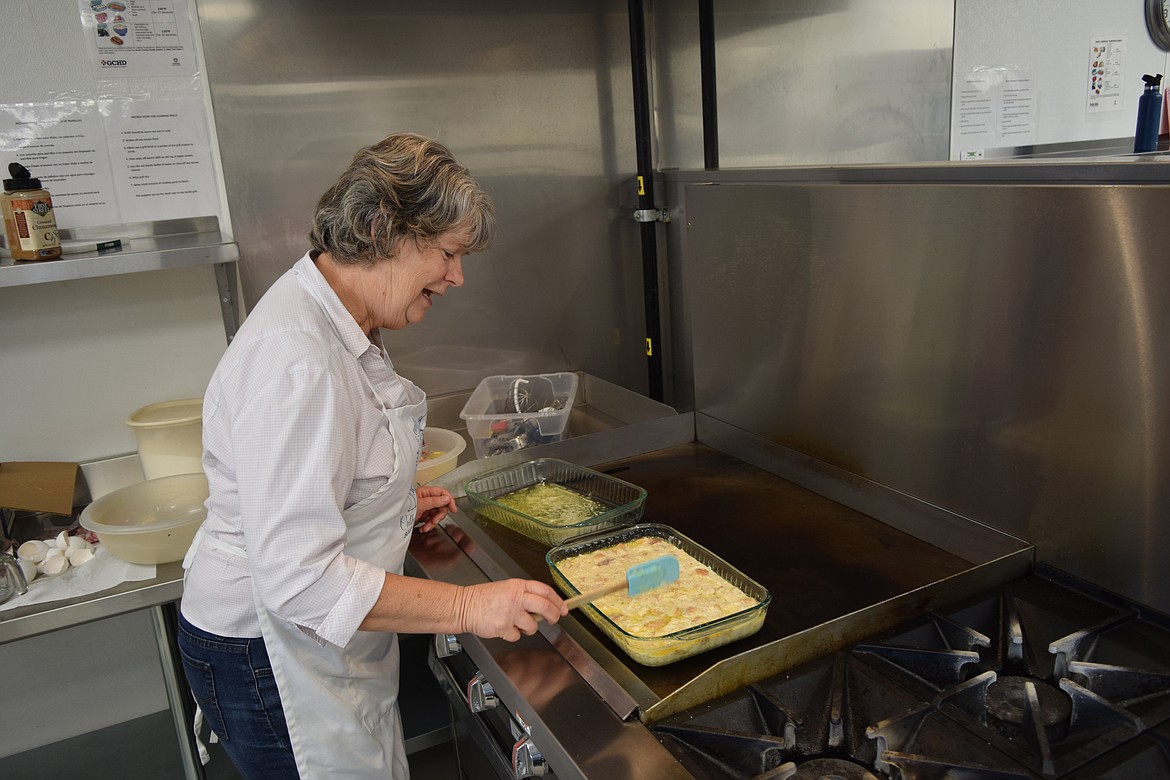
145,246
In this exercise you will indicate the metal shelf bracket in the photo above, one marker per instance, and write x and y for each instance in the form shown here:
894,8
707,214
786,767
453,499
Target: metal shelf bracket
652,215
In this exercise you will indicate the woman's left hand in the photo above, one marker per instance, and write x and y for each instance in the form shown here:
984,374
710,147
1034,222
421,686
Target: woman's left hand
434,503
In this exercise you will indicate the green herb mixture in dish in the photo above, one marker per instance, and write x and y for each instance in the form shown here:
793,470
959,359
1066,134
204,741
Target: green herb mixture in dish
553,504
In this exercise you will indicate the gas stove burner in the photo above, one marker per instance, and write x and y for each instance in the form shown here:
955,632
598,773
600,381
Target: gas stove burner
829,769
722,753
1064,678
820,719
1016,702
1033,680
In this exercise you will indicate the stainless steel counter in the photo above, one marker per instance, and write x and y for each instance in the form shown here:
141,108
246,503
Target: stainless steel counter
164,588
160,595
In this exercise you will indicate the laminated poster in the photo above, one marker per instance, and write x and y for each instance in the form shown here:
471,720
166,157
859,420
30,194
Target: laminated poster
139,38
64,145
995,107
1106,75
109,162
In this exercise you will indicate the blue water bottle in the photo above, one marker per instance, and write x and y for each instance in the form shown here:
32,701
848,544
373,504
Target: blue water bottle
1149,115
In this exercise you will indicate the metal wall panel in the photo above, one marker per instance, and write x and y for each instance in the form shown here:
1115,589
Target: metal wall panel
808,82
1000,351
535,98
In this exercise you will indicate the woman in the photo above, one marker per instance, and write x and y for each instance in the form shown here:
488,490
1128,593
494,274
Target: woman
294,587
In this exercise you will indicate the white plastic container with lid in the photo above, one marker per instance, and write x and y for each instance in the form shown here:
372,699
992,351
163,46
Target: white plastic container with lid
170,437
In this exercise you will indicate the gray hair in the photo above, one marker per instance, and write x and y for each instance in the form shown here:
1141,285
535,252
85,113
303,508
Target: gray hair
406,186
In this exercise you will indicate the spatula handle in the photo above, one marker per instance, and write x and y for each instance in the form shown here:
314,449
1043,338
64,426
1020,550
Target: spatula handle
585,598
593,595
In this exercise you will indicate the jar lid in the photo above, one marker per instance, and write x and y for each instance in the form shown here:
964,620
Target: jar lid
21,178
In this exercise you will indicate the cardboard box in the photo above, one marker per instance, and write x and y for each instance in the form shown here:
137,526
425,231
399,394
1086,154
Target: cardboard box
43,486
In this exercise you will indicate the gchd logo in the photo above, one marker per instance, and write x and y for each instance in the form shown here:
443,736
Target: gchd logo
113,63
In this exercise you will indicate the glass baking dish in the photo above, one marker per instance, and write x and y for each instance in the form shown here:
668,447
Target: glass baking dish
623,501
671,647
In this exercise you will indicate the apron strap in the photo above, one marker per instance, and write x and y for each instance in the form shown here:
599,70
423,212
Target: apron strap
202,538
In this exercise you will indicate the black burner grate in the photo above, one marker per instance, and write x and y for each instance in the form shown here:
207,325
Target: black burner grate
817,721
1033,681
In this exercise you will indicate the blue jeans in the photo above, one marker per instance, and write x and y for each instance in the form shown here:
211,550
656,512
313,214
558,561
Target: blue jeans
233,684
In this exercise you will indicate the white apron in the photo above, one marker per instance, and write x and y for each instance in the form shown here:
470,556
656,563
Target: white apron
341,704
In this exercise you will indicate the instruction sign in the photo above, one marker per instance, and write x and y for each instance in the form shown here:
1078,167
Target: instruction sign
995,107
139,38
1106,74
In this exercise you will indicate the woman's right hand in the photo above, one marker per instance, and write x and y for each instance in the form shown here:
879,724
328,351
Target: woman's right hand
505,609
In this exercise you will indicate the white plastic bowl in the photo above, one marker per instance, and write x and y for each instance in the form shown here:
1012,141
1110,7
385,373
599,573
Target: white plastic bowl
449,446
170,437
152,521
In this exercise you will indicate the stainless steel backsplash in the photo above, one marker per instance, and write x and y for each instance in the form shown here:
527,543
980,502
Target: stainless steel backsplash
995,349
535,98
1000,350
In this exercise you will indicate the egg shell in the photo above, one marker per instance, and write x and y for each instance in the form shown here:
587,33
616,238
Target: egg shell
79,556
77,543
62,541
54,565
33,551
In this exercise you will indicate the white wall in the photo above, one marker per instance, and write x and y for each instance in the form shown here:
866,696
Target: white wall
78,680
1052,39
75,359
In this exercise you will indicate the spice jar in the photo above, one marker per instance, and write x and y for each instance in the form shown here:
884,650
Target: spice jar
29,222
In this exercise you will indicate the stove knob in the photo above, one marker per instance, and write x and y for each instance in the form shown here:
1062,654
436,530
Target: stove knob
480,694
518,726
447,645
527,760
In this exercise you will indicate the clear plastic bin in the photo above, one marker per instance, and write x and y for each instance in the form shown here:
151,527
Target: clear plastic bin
624,502
506,413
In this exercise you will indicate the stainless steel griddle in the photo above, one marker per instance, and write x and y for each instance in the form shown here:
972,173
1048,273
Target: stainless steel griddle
836,574
819,559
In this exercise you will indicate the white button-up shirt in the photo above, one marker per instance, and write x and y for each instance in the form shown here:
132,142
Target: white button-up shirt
292,435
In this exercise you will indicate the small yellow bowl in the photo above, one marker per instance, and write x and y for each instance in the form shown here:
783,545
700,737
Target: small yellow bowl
441,451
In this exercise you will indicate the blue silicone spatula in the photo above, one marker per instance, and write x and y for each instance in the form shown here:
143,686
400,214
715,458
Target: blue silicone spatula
640,578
